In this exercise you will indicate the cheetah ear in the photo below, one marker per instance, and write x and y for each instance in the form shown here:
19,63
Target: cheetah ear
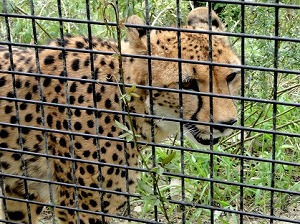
137,36
198,17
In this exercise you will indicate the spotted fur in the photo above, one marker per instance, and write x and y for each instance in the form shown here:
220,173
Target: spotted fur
62,127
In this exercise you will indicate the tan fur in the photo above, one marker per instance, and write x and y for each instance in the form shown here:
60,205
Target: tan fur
66,139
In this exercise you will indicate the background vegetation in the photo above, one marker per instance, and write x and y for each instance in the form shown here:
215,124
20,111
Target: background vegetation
258,20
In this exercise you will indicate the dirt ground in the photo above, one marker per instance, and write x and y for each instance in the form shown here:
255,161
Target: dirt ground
290,212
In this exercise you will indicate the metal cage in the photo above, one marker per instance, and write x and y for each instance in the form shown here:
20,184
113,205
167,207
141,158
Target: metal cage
251,177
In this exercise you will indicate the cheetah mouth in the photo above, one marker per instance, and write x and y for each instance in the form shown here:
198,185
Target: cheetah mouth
197,135
207,141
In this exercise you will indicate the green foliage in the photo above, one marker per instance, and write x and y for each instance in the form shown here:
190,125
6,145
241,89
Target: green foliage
100,11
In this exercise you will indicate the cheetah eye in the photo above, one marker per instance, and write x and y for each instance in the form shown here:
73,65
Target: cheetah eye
190,85
231,77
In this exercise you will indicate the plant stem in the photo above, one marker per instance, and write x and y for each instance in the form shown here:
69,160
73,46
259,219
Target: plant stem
123,92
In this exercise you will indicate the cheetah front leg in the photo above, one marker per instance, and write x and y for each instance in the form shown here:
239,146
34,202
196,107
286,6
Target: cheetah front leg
13,209
82,206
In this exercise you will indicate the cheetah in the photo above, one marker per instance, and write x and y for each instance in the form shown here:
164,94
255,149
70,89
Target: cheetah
60,107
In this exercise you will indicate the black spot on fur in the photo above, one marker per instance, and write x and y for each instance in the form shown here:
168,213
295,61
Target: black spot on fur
62,42
4,134
111,65
79,44
78,145
87,62
18,84
115,157
10,94
90,169
6,55
23,106
102,62
72,99
34,88
77,126
49,60
107,119
116,98
90,88
28,117
39,209
90,123
73,87
98,97
16,215
109,183
103,150
8,109
50,120
86,153
81,99
46,82
100,130
106,204
75,65
13,119
2,81
62,142
110,170
93,203
108,103
28,96
4,165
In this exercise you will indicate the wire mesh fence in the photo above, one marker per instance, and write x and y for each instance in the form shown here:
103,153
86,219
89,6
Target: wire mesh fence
179,114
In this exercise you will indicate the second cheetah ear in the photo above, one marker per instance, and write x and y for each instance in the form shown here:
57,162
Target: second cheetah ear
137,36
199,17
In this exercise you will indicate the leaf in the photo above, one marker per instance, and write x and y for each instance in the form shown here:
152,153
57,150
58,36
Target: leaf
138,136
224,204
168,158
129,138
124,135
158,170
121,126
145,187
126,97
115,55
287,146
132,88
134,95
121,22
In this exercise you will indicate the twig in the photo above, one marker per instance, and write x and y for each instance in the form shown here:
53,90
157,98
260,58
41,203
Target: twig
260,134
16,8
159,14
134,135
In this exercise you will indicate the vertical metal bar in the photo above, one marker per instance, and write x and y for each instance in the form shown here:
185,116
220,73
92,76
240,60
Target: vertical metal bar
4,206
178,22
147,5
96,120
211,157
69,113
242,118
276,46
40,91
20,139
126,154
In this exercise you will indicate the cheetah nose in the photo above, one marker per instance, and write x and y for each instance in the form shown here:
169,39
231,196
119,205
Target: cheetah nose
222,128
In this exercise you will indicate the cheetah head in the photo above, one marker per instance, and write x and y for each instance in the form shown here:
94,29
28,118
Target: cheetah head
200,81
